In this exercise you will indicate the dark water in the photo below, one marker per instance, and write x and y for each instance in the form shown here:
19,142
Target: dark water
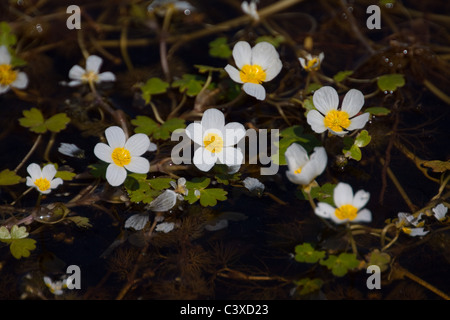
251,258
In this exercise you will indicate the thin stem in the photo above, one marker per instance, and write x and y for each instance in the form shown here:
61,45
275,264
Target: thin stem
49,146
36,143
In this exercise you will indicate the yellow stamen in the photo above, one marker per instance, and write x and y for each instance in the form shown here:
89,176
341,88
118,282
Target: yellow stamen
121,156
7,75
42,183
337,120
312,65
298,171
347,211
213,142
89,76
252,74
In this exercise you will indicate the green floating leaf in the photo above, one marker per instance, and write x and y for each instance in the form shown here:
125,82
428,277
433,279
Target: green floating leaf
20,248
15,233
378,111
342,75
82,222
362,139
34,120
390,82
312,87
65,175
353,153
340,265
219,48
7,38
306,253
9,178
381,259
57,122
209,197
157,131
323,193
153,86
189,83
308,285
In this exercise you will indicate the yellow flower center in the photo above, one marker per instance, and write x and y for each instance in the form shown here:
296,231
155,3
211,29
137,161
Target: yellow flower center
89,76
337,120
347,211
7,75
213,142
312,64
252,74
121,156
42,183
298,171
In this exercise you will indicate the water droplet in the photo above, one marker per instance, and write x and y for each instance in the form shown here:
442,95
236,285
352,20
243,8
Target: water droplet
39,28
187,12
405,52
389,5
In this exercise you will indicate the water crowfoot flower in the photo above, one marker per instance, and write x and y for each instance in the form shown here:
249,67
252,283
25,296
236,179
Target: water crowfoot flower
310,62
8,76
43,180
329,117
301,168
122,154
440,211
256,65
215,140
250,9
410,224
91,74
348,206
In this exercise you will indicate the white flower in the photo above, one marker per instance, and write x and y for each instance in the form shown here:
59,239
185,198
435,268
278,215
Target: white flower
90,74
256,65
9,77
311,63
348,207
71,150
216,140
440,211
254,185
250,9
410,224
301,168
55,287
180,188
43,180
165,227
327,115
122,154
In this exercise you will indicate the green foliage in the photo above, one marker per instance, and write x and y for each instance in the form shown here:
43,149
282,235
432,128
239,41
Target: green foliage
312,87
157,131
390,82
292,135
82,222
65,175
19,245
340,265
34,120
342,75
381,259
219,48
153,86
9,39
208,196
204,69
322,193
352,146
222,176
378,111
9,178
308,285
140,189
306,253
189,83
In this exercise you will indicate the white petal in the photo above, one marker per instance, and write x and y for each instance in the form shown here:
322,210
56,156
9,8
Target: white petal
115,175
361,198
255,90
316,121
93,63
265,55
296,157
103,152
353,102
343,194
137,221
203,159
138,165
76,72
319,158
326,99
234,73
231,156
137,144
74,83
21,81
5,57
164,202
55,183
302,62
195,132
213,119
233,133
302,178
363,216
49,172
307,175
242,54
3,88
273,70
165,227
115,137
34,171
30,182
324,210
417,232
358,122
152,147
253,185
106,76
